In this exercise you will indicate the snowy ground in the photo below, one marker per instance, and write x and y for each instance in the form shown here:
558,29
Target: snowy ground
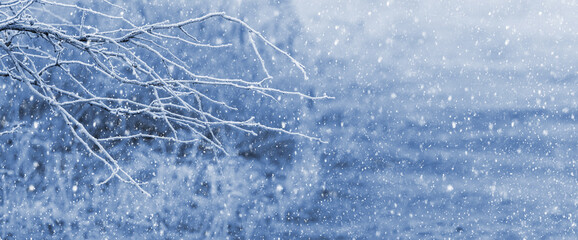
453,119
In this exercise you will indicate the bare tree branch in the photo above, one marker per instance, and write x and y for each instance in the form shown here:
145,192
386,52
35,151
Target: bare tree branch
154,81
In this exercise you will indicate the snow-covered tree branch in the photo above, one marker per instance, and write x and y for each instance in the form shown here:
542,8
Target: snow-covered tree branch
68,64
12,130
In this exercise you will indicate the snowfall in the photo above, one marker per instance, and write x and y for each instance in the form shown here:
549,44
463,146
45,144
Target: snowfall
447,120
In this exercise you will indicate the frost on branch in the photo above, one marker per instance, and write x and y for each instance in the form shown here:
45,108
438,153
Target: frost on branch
12,130
103,62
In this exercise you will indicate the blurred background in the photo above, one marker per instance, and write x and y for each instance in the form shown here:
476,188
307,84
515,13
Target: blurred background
451,119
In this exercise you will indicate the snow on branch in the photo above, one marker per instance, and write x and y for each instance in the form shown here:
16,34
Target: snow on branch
62,61
12,130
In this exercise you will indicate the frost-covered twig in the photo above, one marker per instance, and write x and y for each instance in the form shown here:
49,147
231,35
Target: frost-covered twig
12,130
